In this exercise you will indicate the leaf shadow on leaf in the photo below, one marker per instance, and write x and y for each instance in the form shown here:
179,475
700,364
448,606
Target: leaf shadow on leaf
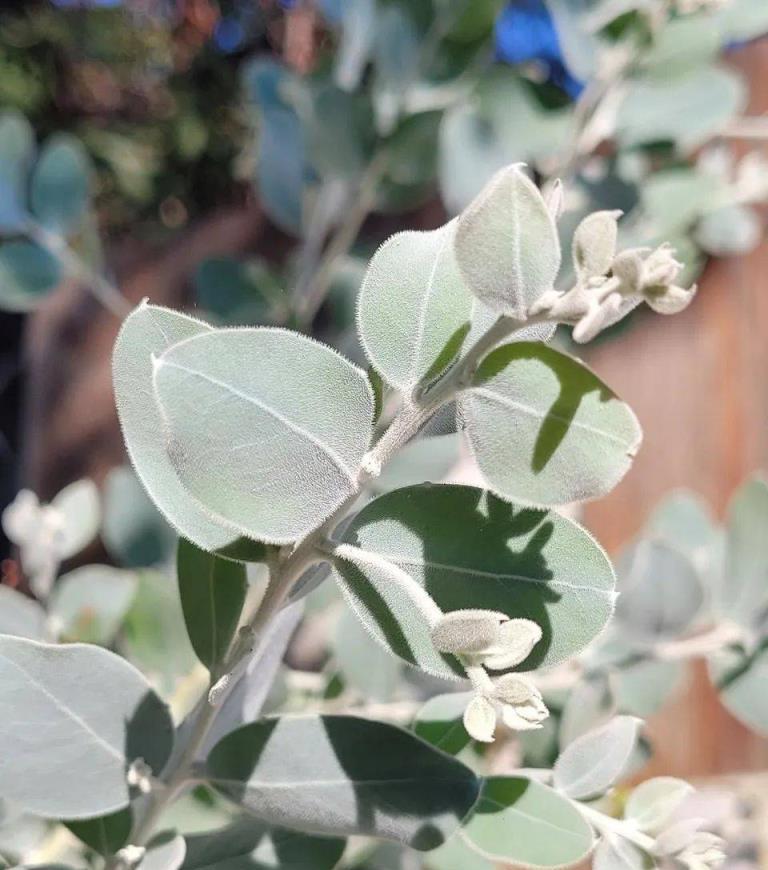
732,674
486,528
448,353
576,383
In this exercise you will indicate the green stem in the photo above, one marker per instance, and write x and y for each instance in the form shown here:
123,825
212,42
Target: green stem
102,289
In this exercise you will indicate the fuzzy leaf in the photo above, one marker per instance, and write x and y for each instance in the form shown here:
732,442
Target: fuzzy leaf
507,245
592,763
339,775
523,822
594,244
84,715
457,547
414,307
544,429
279,429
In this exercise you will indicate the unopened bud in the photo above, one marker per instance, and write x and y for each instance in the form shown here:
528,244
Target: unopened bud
480,719
467,631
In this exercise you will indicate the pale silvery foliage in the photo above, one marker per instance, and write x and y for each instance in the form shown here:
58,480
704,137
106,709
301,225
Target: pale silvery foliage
261,445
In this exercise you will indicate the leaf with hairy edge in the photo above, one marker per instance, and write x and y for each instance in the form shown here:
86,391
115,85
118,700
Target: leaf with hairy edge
248,845
507,245
84,715
340,775
414,307
416,552
147,332
212,592
267,428
544,429
523,822
106,834
592,763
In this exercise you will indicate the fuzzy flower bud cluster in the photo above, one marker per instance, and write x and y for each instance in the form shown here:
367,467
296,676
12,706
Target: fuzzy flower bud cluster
689,846
488,639
610,284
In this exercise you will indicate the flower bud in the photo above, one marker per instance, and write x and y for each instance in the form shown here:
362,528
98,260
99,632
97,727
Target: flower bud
594,243
514,689
480,719
467,631
515,640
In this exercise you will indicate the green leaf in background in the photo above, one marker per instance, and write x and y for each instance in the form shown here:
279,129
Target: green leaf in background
397,50
165,851
741,20
232,290
17,150
341,775
414,308
281,165
155,637
661,593
439,722
507,245
90,603
146,333
248,845
643,687
592,763
684,521
28,273
651,805
499,123
281,425
84,715
134,531
60,187
687,110
79,506
681,46
21,616
743,596
523,822
212,592
675,199
741,682
544,429
363,664
427,459
589,705
467,549
106,834
730,231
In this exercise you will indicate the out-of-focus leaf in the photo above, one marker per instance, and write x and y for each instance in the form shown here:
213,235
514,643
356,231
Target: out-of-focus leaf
643,687
28,273
232,290
79,505
105,834
730,231
17,149
681,46
60,187
165,851
439,722
21,616
90,603
653,803
589,705
741,682
363,664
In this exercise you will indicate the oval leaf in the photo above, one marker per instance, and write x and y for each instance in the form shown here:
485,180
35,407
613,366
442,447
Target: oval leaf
60,183
507,245
653,803
84,715
212,592
28,273
592,763
280,426
741,682
467,549
17,148
523,822
544,429
414,308
147,332
342,775
21,616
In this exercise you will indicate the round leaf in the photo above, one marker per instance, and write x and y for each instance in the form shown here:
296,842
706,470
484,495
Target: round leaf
90,603
147,332
414,308
28,273
342,775
84,715
592,763
507,245
60,183
467,549
523,822
544,429
279,426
